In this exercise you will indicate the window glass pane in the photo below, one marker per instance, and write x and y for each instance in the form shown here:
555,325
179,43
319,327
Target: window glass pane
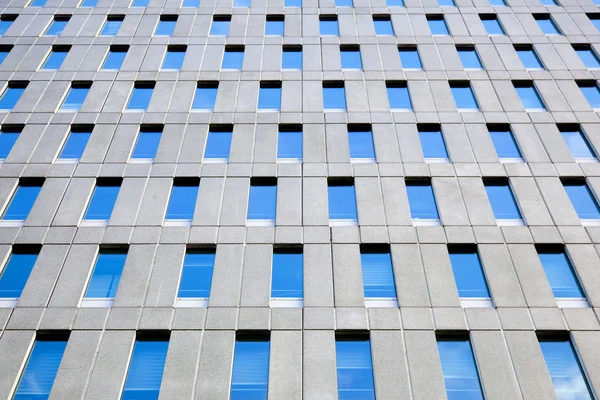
206,96
147,144
269,98
21,203
40,371
140,3
437,26
529,58
383,26
173,59
291,59
55,59
3,55
102,203
274,27
343,3
594,18
4,25
399,97
114,60
15,274
287,279
547,25
350,58
354,370
289,144
241,3
37,3
492,26
165,27
395,3
106,275
410,58
432,143
530,97
421,201
592,94
75,98
145,370
589,58
111,27
560,275
262,202
468,275
56,27
140,98
328,27
75,145
182,202
7,141
292,3
219,28
218,144
583,201
549,2
460,373
334,98
565,370
469,58
505,144
502,201
250,376
448,3
342,202
361,144
10,97
378,277
196,277
464,97
577,143
497,3
191,3
233,59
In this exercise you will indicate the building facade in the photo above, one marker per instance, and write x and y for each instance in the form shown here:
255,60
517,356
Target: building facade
299,199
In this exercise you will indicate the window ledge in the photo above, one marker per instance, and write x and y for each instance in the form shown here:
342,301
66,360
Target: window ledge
8,302
289,160
401,109
572,303
183,302
202,110
94,222
66,161
468,110
476,302
437,160
215,160
260,222
590,222
141,160
382,302
426,222
268,110
281,302
515,160
96,302
586,160
510,222
177,222
363,160
536,110
343,222
12,223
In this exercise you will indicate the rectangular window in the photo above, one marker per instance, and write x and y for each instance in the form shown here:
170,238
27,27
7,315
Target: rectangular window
56,57
12,94
106,274
409,58
166,25
41,369
112,25
528,57
116,56
147,143
262,202
342,201
250,375
174,57
575,140
289,142
196,275
422,201
103,200
491,24
549,2
395,3
145,370
140,3
559,272
350,57
546,24
398,95
591,92
354,369
582,199
218,142
76,96
287,274
182,201
334,95
4,51
328,25
37,3
220,25
6,21
432,142
269,96
275,25
141,96
377,272
58,25
344,3
76,142
529,95
587,55
463,96
504,143
502,200
383,25
564,368
241,3
468,273
469,58
437,25
233,57
206,96
459,369
594,19
292,3
360,141
191,3
446,3
8,137
497,3
22,200
291,57
16,271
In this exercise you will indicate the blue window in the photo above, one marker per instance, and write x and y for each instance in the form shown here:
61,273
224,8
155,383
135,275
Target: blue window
218,143
196,276
56,58
432,142
174,57
458,367
206,96
463,96
37,3
166,25
115,57
40,371
191,3
275,25
250,376
183,200
502,200
16,272
409,57
220,25
342,201
344,3
292,3
107,274
497,3
89,3
594,19
76,96
564,368
269,96
504,142
141,95
421,201
241,3
334,95
262,202
437,25
57,26
529,96
287,275
587,56
12,94
289,142
546,24
4,51
360,140
529,58
103,201
559,273
354,370
22,202
140,3
377,273
233,58
395,3
591,92
328,25
398,95
492,25
468,274
8,138
575,140
583,200
5,22
291,57
469,58
76,142
145,370
147,143
350,57
549,2
112,25
383,25
447,3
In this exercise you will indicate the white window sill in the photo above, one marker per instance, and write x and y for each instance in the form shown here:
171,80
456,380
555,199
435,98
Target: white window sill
188,302
426,222
510,222
141,160
586,160
8,302
135,110
68,110
96,302
281,302
177,222
363,160
383,302
215,160
343,222
536,110
289,160
334,110
476,302
401,110
437,160
572,303
94,222
202,110
268,110
511,160
66,161
260,222
468,109
12,223
590,222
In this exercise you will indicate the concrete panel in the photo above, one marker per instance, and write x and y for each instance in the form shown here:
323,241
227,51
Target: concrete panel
214,371
181,367
318,366
285,365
